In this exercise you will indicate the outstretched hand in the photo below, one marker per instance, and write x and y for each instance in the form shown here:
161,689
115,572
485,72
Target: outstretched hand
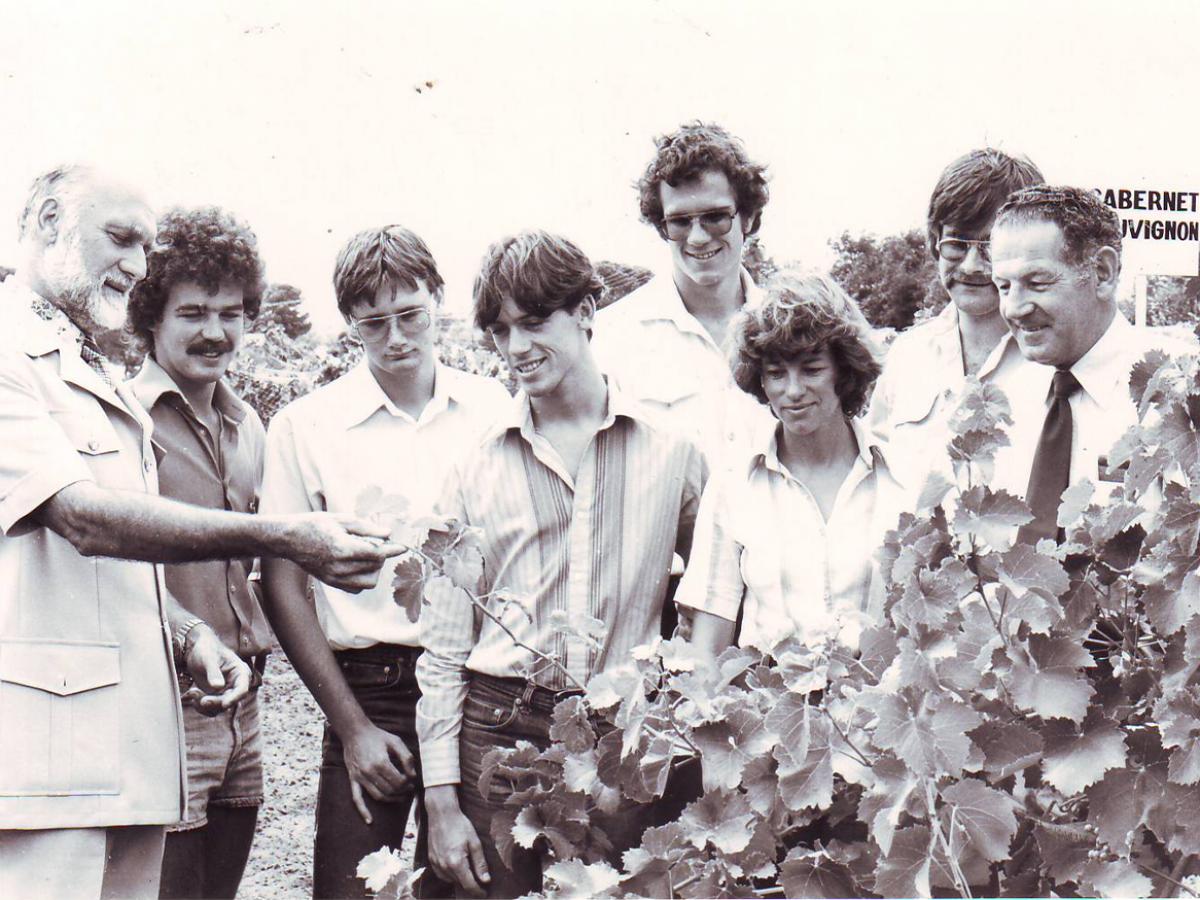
345,552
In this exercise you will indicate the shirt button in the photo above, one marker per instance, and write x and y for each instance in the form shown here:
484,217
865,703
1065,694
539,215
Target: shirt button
147,465
93,445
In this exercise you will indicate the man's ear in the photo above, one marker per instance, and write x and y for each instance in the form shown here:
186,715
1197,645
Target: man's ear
49,220
587,311
1107,268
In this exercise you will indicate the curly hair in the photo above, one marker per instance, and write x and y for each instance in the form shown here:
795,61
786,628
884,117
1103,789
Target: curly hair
973,187
391,256
803,314
541,272
1087,224
687,154
205,245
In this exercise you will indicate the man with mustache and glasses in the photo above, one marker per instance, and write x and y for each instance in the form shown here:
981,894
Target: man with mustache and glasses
204,281
664,344
928,365
91,756
394,423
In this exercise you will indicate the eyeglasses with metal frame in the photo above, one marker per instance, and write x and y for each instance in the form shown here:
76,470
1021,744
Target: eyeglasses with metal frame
715,222
956,249
374,329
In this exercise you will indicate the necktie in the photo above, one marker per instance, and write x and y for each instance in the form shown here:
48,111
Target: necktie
1051,472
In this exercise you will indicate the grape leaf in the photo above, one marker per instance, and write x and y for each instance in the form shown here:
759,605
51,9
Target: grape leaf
1064,849
983,407
1075,761
1179,724
408,583
463,563
1075,501
987,816
1116,879
1023,569
728,744
1008,747
931,743
812,873
905,871
579,625
934,491
993,516
931,596
380,867
1053,686
807,781
614,685
570,725
574,878
547,820
721,819
789,719
887,799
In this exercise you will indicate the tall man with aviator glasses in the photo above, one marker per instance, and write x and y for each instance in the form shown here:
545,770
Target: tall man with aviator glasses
394,422
928,365
665,343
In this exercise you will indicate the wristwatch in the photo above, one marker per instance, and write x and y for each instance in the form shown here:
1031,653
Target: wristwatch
182,640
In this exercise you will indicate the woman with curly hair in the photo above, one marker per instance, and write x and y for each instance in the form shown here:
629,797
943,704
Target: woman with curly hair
785,544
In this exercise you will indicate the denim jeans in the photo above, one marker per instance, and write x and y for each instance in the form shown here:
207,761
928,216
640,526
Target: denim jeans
495,715
384,682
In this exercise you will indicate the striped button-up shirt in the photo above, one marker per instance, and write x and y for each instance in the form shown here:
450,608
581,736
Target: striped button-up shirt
597,544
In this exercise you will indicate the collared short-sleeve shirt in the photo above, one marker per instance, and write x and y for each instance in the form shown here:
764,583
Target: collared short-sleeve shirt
90,727
762,546
217,474
598,544
658,353
919,388
328,448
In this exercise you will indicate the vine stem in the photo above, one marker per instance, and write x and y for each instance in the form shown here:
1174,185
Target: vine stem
1165,876
482,607
936,826
846,739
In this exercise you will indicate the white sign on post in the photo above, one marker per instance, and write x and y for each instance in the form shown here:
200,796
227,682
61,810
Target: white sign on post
1160,232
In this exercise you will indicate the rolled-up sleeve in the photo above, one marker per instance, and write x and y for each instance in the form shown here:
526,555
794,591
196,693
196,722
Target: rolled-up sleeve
448,634
37,456
713,581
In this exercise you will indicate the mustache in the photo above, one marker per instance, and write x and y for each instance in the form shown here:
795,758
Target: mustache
197,348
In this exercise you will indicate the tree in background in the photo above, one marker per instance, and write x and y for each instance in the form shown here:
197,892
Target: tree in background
893,278
757,262
1172,300
281,305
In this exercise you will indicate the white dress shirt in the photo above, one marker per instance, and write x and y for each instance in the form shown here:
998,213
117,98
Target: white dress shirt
1101,412
325,449
762,542
922,379
660,354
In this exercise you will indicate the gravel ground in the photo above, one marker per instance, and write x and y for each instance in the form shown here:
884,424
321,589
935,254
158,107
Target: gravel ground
280,866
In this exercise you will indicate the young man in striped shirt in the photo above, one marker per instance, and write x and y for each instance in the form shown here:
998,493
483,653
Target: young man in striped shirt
582,501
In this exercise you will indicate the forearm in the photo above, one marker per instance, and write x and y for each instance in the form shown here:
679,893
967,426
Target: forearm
131,525
286,604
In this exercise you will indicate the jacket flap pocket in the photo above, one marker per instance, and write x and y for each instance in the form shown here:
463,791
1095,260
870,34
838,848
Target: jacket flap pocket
60,667
91,434
914,405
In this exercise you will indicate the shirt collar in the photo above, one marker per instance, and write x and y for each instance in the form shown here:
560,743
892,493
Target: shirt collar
364,397
38,325
1101,370
870,451
152,382
945,327
663,301
518,415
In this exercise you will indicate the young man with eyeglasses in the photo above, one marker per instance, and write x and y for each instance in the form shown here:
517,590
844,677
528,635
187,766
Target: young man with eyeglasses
394,422
582,499
928,365
665,343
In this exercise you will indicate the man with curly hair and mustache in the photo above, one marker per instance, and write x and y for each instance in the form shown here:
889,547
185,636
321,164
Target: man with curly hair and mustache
204,281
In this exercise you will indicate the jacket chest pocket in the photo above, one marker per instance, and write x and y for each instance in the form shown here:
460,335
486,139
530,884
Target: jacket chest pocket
59,718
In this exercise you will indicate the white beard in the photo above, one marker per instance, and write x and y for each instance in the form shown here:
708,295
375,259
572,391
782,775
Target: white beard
85,299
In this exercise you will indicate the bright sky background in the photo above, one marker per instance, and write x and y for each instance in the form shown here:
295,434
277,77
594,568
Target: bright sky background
305,119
